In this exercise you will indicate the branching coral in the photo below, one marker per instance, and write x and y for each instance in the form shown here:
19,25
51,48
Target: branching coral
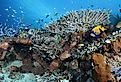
79,20
7,31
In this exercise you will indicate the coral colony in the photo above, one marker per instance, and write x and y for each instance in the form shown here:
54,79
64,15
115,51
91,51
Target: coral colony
80,46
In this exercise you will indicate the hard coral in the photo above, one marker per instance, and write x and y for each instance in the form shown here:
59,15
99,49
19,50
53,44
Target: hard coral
27,65
73,64
102,71
23,41
113,46
116,45
7,30
64,55
79,20
4,45
54,65
2,54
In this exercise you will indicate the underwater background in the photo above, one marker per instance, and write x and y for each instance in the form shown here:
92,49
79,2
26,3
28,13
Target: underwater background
60,41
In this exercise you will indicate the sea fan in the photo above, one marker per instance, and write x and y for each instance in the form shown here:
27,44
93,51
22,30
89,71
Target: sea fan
79,20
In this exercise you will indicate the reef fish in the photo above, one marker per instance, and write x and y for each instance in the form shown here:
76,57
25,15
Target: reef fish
118,25
97,30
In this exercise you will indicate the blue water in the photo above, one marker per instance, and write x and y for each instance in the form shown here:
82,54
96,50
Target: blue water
33,11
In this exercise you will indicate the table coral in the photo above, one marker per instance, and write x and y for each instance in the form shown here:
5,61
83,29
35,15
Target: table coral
79,20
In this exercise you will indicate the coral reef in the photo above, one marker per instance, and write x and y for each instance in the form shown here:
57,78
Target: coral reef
64,50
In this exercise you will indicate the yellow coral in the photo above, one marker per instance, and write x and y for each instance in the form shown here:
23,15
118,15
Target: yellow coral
97,29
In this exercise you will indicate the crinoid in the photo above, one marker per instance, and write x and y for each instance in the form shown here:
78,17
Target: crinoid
79,20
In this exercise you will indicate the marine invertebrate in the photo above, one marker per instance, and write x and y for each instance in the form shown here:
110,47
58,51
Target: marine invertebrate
79,20
62,46
4,45
2,54
7,31
102,71
23,41
9,48
1,32
10,31
94,17
64,55
49,77
73,64
54,65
